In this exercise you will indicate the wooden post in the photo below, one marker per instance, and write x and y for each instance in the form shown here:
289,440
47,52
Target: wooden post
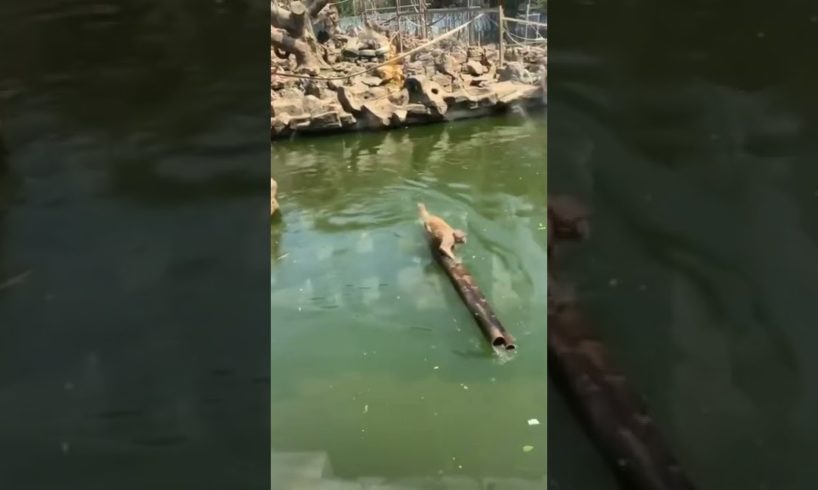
500,22
527,18
471,27
424,19
400,28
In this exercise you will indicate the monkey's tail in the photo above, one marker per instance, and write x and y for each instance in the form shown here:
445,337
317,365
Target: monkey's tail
423,212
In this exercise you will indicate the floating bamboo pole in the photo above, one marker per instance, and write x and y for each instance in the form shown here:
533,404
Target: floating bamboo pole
491,327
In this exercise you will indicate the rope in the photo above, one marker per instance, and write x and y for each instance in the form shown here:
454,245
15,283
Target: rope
521,21
387,62
510,36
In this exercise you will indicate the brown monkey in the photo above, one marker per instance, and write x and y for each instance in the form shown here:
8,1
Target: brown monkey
273,200
444,235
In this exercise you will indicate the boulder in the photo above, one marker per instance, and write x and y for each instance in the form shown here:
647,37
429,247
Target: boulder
448,65
474,68
378,112
286,106
428,93
445,81
300,122
326,120
516,72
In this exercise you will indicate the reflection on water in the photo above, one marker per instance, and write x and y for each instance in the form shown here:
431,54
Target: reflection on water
133,190
702,270
386,371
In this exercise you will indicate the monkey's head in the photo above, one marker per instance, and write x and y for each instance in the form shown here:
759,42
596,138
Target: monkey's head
459,236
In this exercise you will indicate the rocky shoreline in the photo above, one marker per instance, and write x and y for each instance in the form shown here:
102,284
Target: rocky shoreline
448,82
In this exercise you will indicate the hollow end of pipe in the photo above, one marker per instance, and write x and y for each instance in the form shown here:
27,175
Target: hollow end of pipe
503,343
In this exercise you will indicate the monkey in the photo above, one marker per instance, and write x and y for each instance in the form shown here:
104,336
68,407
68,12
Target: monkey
444,235
273,200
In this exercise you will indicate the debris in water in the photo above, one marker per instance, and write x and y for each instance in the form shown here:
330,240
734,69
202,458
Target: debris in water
613,282
533,422
528,449
366,408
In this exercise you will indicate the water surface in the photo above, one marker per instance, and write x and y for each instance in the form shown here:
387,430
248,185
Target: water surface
133,194
375,360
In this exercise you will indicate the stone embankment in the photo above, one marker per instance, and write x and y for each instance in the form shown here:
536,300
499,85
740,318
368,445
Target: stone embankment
449,81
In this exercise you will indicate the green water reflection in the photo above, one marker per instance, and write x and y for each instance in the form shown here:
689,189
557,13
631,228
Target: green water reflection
375,360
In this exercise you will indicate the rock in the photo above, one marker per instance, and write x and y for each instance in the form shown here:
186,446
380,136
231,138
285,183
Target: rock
371,81
349,99
399,97
443,80
299,122
448,65
459,56
516,72
379,112
317,89
286,106
416,110
313,105
280,123
474,68
471,99
428,93
425,58
326,120
353,97
399,117
347,119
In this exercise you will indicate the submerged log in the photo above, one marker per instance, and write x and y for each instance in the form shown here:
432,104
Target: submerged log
493,330
611,411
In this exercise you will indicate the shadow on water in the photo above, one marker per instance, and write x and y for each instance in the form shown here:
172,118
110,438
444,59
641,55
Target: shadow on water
699,158
134,131
416,394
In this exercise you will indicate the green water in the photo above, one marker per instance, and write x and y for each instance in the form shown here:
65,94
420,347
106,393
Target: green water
375,360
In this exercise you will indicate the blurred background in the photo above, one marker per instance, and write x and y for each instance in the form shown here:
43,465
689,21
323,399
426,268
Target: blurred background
134,329
691,130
